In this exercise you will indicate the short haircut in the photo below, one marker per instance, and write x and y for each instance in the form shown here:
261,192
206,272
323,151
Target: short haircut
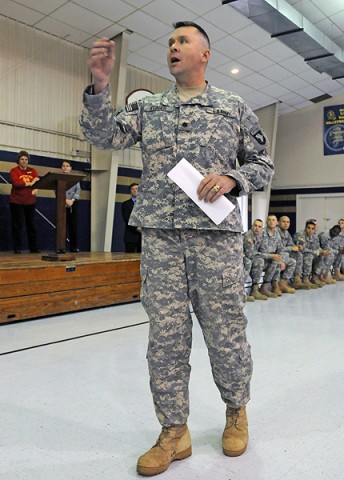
335,230
310,222
257,220
22,153
192,24
341,220
133,185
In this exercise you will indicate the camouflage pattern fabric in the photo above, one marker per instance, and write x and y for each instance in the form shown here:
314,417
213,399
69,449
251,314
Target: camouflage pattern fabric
328,243
256,249
338,242
185,256
312,262
247,267
287,242
274,245
206,268
212,131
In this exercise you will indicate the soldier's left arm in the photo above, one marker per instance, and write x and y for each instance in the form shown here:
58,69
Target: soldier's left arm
255,165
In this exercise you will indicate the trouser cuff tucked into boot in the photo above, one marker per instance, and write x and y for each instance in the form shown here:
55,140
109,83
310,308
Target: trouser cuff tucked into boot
174,443
235,435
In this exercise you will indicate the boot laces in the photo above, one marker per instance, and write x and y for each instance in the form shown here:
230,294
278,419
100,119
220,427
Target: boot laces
167,439
232,418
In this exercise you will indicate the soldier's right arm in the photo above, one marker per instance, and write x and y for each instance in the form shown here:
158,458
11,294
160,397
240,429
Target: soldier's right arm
248,244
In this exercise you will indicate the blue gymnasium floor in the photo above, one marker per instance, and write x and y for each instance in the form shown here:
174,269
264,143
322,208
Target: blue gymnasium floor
75,401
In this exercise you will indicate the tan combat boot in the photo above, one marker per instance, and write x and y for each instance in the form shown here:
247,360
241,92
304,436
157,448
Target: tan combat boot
255,293
327,279
307,282
316,281
276,288
337,275
285,288
250,298
235,435
298,284
174,443
264,290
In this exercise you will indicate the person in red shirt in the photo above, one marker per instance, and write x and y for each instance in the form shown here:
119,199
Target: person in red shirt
23,202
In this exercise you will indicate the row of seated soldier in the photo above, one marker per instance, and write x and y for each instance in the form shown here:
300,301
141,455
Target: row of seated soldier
276,262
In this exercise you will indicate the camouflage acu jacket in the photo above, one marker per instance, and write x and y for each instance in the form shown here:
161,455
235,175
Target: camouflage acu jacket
215,132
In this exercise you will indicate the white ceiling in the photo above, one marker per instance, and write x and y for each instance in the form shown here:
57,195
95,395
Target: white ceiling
269,70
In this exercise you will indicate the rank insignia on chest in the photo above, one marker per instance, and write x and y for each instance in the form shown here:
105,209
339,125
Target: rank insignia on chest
132,107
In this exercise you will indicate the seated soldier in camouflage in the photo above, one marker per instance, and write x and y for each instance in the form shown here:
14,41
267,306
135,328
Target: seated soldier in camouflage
338,261
313,255
282,276
256,250
327,243
293,250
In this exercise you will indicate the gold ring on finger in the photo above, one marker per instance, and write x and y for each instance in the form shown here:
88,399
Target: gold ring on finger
216,188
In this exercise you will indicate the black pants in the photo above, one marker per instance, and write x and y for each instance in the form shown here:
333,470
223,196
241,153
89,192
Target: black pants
18,213
72,221
131,247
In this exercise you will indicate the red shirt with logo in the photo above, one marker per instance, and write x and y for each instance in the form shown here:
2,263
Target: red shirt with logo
20,193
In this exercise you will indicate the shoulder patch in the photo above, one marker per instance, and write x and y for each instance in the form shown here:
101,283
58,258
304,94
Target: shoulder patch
258,135
131,107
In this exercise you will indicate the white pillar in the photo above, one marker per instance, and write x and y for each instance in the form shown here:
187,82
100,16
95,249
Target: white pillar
105,163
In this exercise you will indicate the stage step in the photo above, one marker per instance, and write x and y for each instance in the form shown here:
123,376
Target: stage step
32,288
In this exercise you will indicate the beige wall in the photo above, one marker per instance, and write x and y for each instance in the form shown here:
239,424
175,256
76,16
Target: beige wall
299,157
42,79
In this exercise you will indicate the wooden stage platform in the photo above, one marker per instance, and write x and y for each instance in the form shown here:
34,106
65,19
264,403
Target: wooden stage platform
31,287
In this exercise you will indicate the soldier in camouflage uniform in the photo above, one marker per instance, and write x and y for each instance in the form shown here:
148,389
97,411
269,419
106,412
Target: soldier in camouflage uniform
327,242
185,256
256,250
280,281
293,250
338,261
308,240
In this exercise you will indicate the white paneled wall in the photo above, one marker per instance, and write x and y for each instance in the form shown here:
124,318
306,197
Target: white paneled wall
42,80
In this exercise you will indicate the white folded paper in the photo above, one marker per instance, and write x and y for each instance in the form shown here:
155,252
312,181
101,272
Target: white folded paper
188,179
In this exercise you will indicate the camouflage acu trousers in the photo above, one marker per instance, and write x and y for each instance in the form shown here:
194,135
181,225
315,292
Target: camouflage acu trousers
247,268
337,260
257,269
307,264
298,257
204,268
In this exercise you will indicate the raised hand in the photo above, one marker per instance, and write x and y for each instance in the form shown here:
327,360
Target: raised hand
101,61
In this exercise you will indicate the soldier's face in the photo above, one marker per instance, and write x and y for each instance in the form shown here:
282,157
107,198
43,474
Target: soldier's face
310,229
257,227
284,223
188,52
341,224
271,221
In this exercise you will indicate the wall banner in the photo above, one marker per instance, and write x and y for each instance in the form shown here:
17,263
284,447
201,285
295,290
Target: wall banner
334,130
